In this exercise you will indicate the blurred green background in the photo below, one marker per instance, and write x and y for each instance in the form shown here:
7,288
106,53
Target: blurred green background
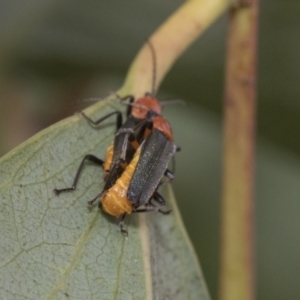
53,53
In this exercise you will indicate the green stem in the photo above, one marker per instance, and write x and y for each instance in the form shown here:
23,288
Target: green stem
237,224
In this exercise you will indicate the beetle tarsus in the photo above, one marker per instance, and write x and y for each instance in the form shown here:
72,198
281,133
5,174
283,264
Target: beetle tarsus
58,191
121,225
165,212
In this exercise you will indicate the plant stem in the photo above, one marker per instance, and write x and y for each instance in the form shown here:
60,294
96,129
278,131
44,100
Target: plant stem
170,41
237,222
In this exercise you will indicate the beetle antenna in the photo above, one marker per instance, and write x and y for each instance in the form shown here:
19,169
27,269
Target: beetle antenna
87,100
154,66
173,101
135,105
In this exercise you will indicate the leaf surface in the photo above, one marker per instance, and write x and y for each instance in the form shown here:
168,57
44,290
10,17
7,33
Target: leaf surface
55,247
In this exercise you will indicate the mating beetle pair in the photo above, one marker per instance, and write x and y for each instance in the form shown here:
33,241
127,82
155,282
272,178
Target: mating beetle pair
136,161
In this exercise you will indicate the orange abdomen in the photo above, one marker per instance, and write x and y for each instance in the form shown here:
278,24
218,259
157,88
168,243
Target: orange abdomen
115,201
108,159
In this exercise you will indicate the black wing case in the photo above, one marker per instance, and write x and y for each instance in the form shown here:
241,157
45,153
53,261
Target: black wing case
156,154
133,128
121,141
123,152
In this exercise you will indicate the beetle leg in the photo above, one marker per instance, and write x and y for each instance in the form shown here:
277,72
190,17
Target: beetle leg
169,174
151,207
91,202
131,99
124,147
132,136
170,177
158,198
119,119
129,108
174,162
88,157
121,225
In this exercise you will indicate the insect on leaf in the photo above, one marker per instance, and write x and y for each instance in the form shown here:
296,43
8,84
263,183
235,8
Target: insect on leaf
55,247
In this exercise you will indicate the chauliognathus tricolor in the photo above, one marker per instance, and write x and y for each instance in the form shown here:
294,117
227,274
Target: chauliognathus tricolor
137,159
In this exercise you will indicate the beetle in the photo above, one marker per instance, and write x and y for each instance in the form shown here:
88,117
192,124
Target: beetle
148,165
126,160
134,190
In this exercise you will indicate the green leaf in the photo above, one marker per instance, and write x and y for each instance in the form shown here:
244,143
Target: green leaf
55,247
